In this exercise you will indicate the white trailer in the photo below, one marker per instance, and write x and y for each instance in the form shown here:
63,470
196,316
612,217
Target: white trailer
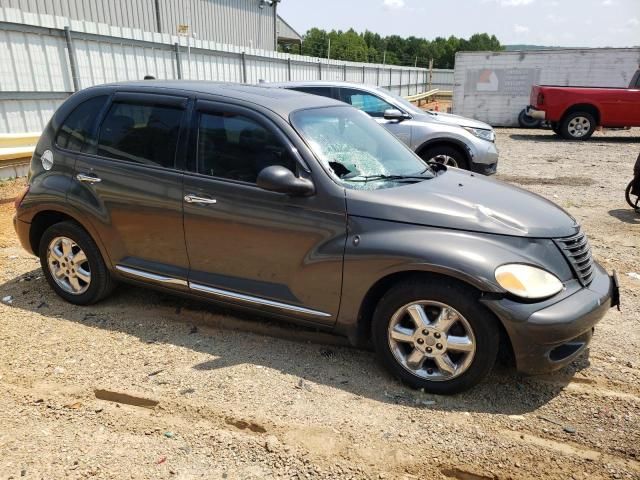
494,87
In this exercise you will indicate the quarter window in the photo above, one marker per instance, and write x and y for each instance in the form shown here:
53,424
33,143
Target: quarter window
368,103
237,147
145,134
77,129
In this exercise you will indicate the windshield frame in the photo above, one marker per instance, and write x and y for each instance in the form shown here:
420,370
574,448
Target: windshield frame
427,171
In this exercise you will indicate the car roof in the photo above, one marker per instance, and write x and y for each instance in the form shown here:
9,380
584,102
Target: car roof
280,101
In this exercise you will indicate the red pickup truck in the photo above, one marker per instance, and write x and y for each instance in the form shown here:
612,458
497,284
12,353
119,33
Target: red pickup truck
575,112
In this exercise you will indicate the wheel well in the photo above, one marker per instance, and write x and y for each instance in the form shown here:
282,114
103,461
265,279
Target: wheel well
444,143
41,222
376,292
584,107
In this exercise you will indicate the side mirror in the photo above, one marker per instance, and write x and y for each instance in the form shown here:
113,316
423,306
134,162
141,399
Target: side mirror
282,180
394,114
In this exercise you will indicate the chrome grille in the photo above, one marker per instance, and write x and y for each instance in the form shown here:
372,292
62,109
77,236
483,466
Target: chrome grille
578,252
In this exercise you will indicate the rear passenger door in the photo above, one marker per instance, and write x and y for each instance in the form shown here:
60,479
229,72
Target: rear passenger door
129,182
250,246
375,107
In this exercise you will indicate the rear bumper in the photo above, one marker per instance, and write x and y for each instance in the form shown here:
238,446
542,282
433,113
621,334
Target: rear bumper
535,113
22,230
547,339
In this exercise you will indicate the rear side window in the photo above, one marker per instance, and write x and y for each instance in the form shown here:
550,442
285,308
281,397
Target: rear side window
77,129
236,147
368,103
320,91
145,134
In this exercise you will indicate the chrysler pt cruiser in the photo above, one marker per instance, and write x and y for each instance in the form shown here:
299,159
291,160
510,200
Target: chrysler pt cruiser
304,208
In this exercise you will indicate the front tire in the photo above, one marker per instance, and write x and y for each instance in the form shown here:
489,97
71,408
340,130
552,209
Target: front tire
435,335
578,126
73,265
445,155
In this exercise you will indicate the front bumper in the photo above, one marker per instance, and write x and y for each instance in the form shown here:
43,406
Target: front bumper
484,159
548,338
533,112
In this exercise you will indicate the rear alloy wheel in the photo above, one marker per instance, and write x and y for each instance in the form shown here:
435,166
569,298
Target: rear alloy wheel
578,126
73,265
445,155
435,335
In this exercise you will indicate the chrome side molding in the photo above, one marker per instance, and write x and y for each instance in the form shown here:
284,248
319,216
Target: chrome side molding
152,276
219,293
239,297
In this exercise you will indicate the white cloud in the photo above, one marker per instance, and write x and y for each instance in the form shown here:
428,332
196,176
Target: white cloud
553,18
514,3
633,22
520,28
608,3
393,4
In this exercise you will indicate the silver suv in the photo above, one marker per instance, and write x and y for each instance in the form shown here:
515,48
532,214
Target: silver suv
436,137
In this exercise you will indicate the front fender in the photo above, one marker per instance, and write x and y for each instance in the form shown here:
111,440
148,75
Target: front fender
376,249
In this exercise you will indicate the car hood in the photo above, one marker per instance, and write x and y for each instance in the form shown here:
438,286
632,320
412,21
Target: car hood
457,120
464,201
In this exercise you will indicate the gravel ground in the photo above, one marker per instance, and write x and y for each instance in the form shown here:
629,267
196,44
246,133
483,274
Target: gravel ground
241,397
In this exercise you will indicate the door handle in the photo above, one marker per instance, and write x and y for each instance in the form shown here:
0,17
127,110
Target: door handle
201,200
88,178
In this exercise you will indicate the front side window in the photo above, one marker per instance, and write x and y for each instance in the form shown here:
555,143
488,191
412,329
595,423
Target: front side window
236,147
357,151
368,103
77,129
145,134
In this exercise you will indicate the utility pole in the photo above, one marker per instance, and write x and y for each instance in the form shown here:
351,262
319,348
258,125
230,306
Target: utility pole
430,73
416,63
384,58
329,49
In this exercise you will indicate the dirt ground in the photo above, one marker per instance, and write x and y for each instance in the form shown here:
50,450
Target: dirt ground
241,397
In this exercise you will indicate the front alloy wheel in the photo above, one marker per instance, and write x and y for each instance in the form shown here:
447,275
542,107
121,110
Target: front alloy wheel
431,340
433,333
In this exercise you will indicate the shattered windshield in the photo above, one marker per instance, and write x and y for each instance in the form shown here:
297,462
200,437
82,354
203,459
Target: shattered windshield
357,151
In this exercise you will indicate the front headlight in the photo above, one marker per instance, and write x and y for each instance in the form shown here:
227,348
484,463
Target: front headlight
488,135
526,281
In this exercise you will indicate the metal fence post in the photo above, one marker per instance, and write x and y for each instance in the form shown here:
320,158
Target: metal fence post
364,74
289,68
390,78
400,88
378,77
344,72
72,59
319,70
178,61
243,56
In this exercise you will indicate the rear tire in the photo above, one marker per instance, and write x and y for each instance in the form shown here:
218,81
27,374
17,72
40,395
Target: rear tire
632,200
525,121
455,326
73,265
445,155
578,126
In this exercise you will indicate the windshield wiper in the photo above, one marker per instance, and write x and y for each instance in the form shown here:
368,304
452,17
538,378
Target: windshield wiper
374,178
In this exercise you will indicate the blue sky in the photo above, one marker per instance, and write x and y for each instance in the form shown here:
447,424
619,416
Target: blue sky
569,23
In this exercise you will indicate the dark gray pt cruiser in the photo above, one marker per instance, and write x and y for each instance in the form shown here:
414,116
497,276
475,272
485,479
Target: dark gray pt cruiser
304,208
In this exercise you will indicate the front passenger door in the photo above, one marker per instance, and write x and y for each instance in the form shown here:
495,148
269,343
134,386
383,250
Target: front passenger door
246,245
